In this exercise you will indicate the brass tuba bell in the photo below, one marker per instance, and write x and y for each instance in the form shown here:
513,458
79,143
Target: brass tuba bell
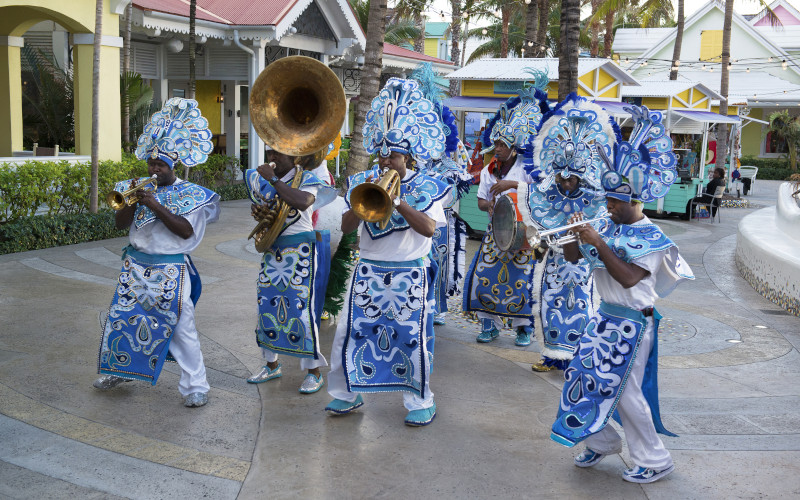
372,201
118,201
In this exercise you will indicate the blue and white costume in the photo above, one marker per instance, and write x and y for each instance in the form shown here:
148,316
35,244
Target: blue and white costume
294,275
384,338
498,284
614,371
152,312
563,291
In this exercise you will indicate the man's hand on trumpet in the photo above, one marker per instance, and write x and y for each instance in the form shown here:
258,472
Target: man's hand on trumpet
585,232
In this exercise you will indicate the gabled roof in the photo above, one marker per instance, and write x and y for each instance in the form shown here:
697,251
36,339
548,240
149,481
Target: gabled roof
634,40
666,88
743,87
788,15
737,19
514,69
435,30
409,59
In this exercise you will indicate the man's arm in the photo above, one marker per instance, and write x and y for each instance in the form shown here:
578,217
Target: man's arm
418,221
349,221
175,223
624,273
295,198
123,218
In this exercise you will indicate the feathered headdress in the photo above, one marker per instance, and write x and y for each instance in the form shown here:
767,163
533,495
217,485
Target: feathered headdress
644,166
519,117
402,119
178,132
572,140
427,80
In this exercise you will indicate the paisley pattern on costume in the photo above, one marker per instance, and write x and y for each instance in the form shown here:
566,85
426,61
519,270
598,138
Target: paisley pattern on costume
180,198
628,241
439,256
596,377
291,291
419,191
500,282
178,132
143,315
386,347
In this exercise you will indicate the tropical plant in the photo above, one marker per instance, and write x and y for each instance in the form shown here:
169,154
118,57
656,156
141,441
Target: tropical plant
788,128
568,53
649,14
135,95
401,30
48,104
413,9
722,139
676,50
455,38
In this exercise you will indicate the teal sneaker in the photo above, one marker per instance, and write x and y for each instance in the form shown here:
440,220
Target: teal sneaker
265,374
643,475
588,458
489,331
342,407
523,336
420,418
439,320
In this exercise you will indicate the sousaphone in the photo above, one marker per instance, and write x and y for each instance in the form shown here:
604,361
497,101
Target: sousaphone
297,106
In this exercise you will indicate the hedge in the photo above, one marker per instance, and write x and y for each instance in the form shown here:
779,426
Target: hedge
33,233
776,169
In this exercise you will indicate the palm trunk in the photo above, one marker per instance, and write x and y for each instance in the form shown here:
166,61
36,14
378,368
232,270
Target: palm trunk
126,67
370,83
722,138
544,17
531,27
455,36
568,55
419,42
192,54
676,52
608,39
98,35
505,16
464,43
594,29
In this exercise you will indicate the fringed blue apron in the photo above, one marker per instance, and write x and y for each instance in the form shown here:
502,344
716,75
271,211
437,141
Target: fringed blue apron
144,313
291,292
389,342
439,257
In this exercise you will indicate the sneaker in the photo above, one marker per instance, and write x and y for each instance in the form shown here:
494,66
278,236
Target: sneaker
588,458
107,382
541,367
342,407
439,319
420,418
196,399
311,384
325,315
523,336
643,475
265,374
489,332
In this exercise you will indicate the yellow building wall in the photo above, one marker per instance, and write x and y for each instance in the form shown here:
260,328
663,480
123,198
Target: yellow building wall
732,110
11,104
432,47
711,45
613,92
588,79
655,102
480,88
604,79
752,134
206,93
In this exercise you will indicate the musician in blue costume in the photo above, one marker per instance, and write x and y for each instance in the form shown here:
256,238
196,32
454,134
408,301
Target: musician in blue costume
566,161
294,270
498,284
384,338
152,312
614,372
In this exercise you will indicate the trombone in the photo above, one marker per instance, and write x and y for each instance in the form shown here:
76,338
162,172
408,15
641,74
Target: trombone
118,201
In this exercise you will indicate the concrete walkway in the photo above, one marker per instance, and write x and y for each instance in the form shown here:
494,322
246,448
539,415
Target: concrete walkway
729,377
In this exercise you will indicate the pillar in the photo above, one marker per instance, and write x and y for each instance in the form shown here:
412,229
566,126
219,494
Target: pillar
10,95
255,144
110,145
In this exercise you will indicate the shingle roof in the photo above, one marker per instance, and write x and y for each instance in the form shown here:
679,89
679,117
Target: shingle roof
394,50
233,12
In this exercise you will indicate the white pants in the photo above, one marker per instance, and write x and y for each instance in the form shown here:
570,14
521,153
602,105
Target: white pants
644,445
185,348
337,384
498,321
305,363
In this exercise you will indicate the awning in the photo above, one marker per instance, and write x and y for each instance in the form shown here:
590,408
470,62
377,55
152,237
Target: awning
614,108
705,116
478,104
748,120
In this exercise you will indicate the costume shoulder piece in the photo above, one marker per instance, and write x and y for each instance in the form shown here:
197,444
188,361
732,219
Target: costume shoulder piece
419,190
181,198
629,241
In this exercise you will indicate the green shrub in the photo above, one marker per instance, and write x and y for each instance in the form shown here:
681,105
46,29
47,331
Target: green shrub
33,233
769,168
218,170
232,192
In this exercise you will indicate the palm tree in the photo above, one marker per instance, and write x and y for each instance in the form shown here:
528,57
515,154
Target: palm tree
413,9
98,34
594,27
676,51
568,53
650,14
192,46
401,30
126,67
370,82
455,36
541,34
493,34
531,23
788,128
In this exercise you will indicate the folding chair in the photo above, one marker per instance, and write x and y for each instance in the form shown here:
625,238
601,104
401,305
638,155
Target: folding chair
716,202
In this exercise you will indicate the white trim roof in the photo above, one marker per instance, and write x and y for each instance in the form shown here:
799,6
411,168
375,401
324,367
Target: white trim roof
514,69
744,88
666,88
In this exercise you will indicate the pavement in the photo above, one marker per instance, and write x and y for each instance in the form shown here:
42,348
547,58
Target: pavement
729,372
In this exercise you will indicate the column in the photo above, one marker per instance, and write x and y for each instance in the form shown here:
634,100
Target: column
10,95
255,144
110,145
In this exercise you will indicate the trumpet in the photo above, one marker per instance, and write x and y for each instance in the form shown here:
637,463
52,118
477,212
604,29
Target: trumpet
372,201
118,201
538,238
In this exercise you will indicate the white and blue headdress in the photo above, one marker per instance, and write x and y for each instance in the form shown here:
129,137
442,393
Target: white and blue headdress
572,140
644,166
401,119
516,121
428,84
178,132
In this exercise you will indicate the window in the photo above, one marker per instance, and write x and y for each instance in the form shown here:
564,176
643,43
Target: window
179,93
711,45
775,144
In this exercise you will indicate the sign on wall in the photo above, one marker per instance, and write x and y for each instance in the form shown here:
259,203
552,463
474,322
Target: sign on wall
507,87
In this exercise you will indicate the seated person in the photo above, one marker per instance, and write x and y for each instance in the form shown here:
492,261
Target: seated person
717,179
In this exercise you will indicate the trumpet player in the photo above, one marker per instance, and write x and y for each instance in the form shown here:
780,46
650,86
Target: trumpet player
384,343
152,311
294,269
